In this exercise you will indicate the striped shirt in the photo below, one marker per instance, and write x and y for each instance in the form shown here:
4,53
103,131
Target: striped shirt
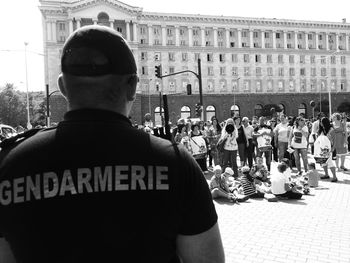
248,186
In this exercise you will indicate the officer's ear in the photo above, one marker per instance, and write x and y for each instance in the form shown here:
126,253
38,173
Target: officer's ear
131,89
62,86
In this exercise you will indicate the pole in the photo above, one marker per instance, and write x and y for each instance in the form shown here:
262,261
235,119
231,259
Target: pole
330,102
47,106
200,88
320,101
29,125
160,108
166,118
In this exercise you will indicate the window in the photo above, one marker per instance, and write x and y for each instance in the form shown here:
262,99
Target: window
210,111
210,71
323,60
207,43
302,72
182,31
342,86
312,59
143,55
291,72
333,59
222,57
234,71
323,72
246,58
223,87
278,35
313,85
207,32
195,32
300,36
342,60
309,36
232,33
156,42
269,71
185,112
258,110
300,46
302,59
234,111
144,70
343,72
258,86
234,58
302,109
244,44
220,44
246,85
246,71
289,35
258,71
170,42
61,26
169,32
156,31
210,57
184,56
222,71
258,58
143,30
280,85
280,58
291,59
267,35
270,85
319,37
244,33
157,56
291,85
234,85
255,34
232,44
182,42
171,70
171,56
210,86
289,45
158,113
303,86
195,43
172,86
280,72
269,58
142,41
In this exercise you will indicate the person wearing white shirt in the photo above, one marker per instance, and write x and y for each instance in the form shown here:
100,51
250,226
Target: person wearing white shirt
280,185
281,137
248,129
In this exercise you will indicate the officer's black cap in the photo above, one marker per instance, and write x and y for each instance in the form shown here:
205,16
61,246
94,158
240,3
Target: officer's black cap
95,51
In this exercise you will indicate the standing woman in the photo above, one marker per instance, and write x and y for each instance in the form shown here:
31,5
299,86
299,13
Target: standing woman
325,128
241,140
298,140
214,133
229,135
339,136
273,123
281,137
198,146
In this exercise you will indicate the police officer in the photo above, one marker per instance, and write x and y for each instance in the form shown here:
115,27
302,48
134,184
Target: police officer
95,189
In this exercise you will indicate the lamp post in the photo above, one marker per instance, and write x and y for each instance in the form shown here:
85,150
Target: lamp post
29,125
234,97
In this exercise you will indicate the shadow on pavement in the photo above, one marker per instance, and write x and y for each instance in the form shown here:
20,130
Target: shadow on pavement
293,201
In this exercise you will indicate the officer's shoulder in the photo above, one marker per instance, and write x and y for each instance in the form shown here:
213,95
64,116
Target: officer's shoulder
21,137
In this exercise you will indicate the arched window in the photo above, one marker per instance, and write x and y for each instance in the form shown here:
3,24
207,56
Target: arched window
103,19
185,112
158,116
210,112
302,109
234,110
258,110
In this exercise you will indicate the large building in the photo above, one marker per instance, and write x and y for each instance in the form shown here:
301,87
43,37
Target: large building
246,63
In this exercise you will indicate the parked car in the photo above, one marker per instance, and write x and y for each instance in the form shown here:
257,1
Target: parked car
6,131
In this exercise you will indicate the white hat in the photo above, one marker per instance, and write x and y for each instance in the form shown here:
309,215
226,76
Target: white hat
217,168
229,171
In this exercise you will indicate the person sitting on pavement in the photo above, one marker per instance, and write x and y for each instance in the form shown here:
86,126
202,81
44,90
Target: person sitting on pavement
260,171
280,185
219,186
313,175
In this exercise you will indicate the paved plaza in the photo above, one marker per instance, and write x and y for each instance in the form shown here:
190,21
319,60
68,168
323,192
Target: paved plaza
313,229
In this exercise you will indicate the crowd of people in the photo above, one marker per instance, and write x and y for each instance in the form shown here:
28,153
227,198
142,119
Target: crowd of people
239,152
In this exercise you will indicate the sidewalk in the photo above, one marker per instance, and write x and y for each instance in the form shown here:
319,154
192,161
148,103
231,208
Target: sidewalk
313,229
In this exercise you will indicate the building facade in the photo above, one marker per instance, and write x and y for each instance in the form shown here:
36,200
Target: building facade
246,63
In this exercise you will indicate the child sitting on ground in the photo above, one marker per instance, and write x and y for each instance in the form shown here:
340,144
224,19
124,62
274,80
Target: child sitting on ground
280,184
312,175
260,171
218,185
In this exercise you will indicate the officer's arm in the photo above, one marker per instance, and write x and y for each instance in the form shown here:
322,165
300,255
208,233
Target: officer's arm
205,247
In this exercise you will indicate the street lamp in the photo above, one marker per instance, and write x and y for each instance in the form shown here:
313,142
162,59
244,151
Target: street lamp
234,96
29,125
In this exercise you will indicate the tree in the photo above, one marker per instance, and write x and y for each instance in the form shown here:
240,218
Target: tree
12,106
344,107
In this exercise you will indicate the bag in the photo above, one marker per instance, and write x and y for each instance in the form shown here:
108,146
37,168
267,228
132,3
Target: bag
198,146
220,145
322,149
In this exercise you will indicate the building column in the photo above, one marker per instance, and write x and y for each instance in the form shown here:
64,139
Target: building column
203,36
306,41
316,41
262,38
54,34
190,36
134,31
336,41
274,39
111,23
227,31
285,40
49,31
239,37
251,38
70,25
163,35
78,22
177,35
346,42
150,35
127,30
296,40
327,41
215,37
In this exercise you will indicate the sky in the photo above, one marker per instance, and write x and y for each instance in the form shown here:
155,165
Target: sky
20,21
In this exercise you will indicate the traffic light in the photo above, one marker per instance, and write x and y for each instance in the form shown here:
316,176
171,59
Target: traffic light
198,109
189,89
158,71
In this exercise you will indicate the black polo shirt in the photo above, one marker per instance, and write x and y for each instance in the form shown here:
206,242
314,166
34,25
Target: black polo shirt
95,189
